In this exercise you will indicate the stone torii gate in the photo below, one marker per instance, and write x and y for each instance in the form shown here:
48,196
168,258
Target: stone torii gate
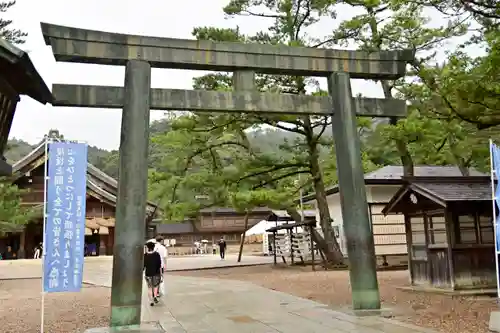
140,53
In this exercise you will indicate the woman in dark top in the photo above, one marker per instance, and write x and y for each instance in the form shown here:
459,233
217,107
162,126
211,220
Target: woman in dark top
152,268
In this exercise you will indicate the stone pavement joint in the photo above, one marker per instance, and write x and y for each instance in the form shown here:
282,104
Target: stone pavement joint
203,305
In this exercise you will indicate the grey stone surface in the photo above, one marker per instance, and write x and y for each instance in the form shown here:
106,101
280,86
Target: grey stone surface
220,101
206,305
494,324
142,328
132,196
357,226
105,48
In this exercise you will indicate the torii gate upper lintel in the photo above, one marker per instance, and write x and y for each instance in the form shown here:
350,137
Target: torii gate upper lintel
140,53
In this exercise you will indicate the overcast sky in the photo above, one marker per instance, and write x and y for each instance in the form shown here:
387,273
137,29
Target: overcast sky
101,127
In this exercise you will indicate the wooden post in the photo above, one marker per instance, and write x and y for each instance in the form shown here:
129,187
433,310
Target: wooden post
409,242
312,247
274,248
450,237
428,264
21,253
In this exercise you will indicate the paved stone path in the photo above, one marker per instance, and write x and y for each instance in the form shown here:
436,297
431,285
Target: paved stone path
30,268
202,305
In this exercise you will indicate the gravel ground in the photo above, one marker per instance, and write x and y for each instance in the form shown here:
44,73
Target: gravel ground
75,312
64,312
443,313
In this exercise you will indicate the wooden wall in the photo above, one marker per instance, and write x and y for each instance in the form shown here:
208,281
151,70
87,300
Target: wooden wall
474,267
473,250
226,223
35,196
189,239
456,252
389,233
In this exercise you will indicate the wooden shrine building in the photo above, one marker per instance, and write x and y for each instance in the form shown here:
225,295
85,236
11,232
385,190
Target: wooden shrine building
28,173
211,224
449,231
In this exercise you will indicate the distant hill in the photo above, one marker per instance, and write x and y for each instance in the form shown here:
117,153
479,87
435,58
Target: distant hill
17,149
268,140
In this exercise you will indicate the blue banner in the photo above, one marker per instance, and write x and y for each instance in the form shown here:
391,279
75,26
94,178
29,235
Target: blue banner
65,217
495,155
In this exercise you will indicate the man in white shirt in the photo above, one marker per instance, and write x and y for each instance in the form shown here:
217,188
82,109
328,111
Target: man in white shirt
163,252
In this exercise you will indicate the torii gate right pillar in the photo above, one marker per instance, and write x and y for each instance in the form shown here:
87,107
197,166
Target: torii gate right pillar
360,245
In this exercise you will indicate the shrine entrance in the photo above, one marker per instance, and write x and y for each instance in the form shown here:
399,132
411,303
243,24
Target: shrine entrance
140,53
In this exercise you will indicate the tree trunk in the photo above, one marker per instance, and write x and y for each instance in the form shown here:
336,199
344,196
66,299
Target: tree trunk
401,146
464,170
242,241
333,253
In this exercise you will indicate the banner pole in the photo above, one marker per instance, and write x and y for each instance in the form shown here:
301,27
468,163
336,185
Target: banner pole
46,179
492,175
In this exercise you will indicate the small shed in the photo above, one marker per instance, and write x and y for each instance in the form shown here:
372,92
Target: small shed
449,231
294,248
18,77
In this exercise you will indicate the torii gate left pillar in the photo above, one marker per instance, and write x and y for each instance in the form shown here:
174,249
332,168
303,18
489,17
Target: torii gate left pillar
126,294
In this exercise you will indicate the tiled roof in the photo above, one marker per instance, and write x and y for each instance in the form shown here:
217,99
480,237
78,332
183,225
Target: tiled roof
457,191
20,73
393,174
95,175
227,210
441,191
284,214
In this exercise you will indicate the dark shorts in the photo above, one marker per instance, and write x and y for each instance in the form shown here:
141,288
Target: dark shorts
153,281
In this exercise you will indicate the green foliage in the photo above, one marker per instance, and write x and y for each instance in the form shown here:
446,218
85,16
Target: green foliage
17,149
466,88
13,214
201,160
14,36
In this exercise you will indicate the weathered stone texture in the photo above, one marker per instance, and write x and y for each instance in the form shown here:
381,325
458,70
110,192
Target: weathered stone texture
98,47
126,292
216,101
357,225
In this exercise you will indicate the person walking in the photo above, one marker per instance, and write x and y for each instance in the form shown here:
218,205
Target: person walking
38,251
222,248
152,272
9,255
163,252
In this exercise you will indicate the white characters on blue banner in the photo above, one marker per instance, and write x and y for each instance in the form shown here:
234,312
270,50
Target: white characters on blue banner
65,225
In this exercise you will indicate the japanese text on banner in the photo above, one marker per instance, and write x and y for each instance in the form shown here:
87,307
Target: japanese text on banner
65,217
